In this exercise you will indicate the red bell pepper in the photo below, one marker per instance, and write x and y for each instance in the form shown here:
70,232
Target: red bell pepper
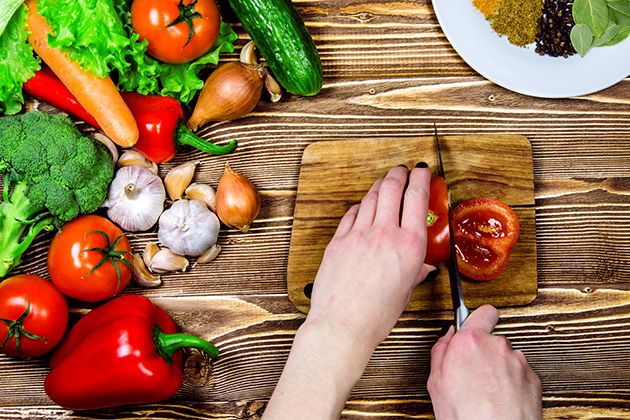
485,231
438,241
123,352
160,119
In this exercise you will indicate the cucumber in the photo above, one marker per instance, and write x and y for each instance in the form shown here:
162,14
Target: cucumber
278,31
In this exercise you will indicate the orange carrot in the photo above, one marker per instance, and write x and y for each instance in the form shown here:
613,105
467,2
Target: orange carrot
99,96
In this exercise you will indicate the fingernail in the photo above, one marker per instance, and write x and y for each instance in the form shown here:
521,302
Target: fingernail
432,274
422,165
404,166
445,329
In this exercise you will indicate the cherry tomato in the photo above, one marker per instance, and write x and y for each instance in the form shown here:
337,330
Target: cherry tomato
438,242
90,259
33,316
196,28
485,231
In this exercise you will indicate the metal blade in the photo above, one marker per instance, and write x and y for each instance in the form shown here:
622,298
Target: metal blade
459,307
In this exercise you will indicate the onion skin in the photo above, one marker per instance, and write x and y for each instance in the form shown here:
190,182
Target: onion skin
238,201
232,91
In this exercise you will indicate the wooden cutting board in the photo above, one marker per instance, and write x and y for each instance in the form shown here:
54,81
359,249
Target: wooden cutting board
335,175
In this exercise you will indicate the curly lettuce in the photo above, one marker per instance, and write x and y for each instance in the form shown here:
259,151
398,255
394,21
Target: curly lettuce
97,34
17,63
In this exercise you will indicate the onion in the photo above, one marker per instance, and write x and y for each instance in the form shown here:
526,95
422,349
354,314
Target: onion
231,91
237,200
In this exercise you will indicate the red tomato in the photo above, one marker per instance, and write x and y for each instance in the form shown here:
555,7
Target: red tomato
438,241
485,231
185,41
76,252
33,316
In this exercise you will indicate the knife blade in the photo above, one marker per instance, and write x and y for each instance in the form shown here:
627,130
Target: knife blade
459,306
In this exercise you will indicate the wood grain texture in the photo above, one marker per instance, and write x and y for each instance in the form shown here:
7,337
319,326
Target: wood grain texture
389,72
337,174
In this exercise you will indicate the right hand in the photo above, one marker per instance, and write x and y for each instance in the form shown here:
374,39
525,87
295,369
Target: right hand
477,375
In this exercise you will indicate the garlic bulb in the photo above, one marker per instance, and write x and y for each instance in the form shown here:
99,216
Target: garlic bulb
132,157
238,201
188,228
135,199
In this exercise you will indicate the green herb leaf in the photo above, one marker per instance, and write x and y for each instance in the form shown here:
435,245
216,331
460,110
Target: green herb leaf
581,38
609,33
619,12
623,33
593,13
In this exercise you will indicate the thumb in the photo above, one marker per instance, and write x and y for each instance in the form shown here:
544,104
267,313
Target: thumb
439,349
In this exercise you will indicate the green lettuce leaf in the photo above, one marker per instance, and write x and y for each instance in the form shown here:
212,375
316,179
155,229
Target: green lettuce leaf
97,34
17,63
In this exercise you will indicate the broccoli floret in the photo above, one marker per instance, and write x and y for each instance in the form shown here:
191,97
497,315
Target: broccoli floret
52,173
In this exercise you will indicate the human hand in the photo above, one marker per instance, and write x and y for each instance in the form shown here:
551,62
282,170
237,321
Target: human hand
375,259
477,375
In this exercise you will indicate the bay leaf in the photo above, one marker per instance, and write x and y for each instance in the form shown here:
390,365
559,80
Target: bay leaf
609,34
581,38
619,12
593,13
624,32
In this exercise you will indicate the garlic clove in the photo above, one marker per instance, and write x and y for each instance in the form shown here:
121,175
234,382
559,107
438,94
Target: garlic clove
178,179
210,254
149,251
132,157
108,143
204,193
166,260
248,54
273,87
135,199
142,275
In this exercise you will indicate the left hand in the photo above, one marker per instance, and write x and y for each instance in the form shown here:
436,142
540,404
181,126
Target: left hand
375,259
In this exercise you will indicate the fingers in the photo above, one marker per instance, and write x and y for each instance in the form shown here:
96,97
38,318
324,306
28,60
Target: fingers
347,221
390,195
484,318
414,217
367,211
439,349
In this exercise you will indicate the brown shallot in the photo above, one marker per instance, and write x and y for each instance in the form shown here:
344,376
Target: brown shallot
237,200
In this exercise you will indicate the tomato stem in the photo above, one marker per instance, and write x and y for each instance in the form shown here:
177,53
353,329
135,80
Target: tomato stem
186,14
16,329
111,254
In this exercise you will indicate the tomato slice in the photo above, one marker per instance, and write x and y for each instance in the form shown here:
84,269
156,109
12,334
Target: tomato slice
438,242
485,231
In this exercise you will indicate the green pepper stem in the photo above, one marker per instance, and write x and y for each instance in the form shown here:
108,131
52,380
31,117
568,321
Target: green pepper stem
183,135
168,344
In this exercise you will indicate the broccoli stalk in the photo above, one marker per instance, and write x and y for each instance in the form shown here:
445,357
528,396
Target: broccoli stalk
53,173
20,223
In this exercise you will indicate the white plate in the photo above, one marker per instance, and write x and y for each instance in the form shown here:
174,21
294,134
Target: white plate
521,69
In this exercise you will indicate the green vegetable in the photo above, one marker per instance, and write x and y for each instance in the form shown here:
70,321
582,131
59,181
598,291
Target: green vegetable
7,9
17,63
278,31
98,35
599,23
52,173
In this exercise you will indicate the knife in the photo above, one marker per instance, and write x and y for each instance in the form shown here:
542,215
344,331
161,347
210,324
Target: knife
459,307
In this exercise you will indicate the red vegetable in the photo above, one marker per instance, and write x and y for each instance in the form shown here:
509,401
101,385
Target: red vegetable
485,231
160,119
123,352
46,86
176,32
438,242
33,316
90,259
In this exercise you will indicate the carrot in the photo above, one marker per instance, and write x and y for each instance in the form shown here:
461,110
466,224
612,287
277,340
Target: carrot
99,96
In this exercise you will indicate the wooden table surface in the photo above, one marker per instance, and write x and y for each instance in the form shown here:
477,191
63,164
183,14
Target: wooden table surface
389,71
